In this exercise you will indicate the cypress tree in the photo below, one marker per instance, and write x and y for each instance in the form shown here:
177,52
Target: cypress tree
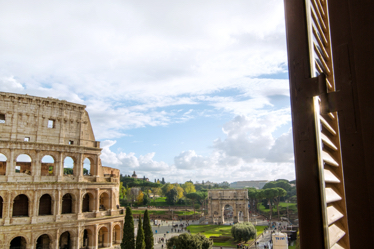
140,244
128,241
148,233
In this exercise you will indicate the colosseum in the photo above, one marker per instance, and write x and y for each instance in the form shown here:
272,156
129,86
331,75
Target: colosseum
54,192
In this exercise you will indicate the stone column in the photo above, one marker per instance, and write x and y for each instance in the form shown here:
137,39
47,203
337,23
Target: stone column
35,204
77,242
235,213
36,167
79,204
96,166
78,167
7,205
58,204
60,167
95,237
221,218
110,236
10,171
97,204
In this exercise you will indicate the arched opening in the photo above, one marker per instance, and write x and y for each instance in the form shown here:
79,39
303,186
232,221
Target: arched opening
18,243
104,201
117,234
67,204
45,205
87,167
1,207
23,164
3,160
43,242
228,213
21,206
69,166
64,242
87,240
88,203
103,237
48,166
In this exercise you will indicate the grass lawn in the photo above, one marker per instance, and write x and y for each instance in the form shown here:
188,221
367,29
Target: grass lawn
185,212
217,230
282,207
161,202
155,212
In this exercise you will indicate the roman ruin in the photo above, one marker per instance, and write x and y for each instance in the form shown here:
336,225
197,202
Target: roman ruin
227,204
43,203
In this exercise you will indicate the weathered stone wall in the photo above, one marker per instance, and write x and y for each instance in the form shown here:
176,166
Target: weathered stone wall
44,120
39,202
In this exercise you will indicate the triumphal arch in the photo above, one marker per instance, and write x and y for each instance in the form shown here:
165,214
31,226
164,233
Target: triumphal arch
54,192
225,204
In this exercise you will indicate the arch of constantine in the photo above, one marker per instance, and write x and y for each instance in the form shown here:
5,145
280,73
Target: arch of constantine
45,204
224,204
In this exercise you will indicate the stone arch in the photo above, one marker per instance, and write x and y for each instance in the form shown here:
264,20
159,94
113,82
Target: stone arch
65,240
68,203
3,162
44,241
87,238
89,162
45,205
88,202
103,236
21,206
23,163
228,212
48,165
104,200
116,238
18,242
70,165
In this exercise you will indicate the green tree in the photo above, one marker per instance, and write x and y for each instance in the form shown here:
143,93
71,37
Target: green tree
188,241
140,243
193,197
172,196
243,231
280,193
252,192
189,187
148,233
270,194
128,241
259,196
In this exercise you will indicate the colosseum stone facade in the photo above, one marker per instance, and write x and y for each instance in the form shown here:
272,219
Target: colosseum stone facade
44,204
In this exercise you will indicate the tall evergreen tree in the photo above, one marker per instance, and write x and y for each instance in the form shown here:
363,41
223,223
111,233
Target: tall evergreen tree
148,233
140,244
128,241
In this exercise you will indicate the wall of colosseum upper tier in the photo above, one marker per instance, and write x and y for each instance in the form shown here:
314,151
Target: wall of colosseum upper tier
44,120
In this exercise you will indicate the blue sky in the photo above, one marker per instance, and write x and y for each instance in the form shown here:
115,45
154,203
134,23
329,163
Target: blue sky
181,90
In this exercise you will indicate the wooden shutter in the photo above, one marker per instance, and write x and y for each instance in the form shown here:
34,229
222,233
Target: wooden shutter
330,168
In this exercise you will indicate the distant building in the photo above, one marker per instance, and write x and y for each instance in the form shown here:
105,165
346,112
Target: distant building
249,184
142,178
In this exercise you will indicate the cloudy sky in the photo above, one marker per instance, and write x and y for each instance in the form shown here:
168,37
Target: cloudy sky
176,89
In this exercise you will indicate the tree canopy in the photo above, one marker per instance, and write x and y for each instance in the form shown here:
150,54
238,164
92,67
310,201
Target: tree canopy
243,231
188,241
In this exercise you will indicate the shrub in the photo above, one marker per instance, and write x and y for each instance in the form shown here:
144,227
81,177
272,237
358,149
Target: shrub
243,231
